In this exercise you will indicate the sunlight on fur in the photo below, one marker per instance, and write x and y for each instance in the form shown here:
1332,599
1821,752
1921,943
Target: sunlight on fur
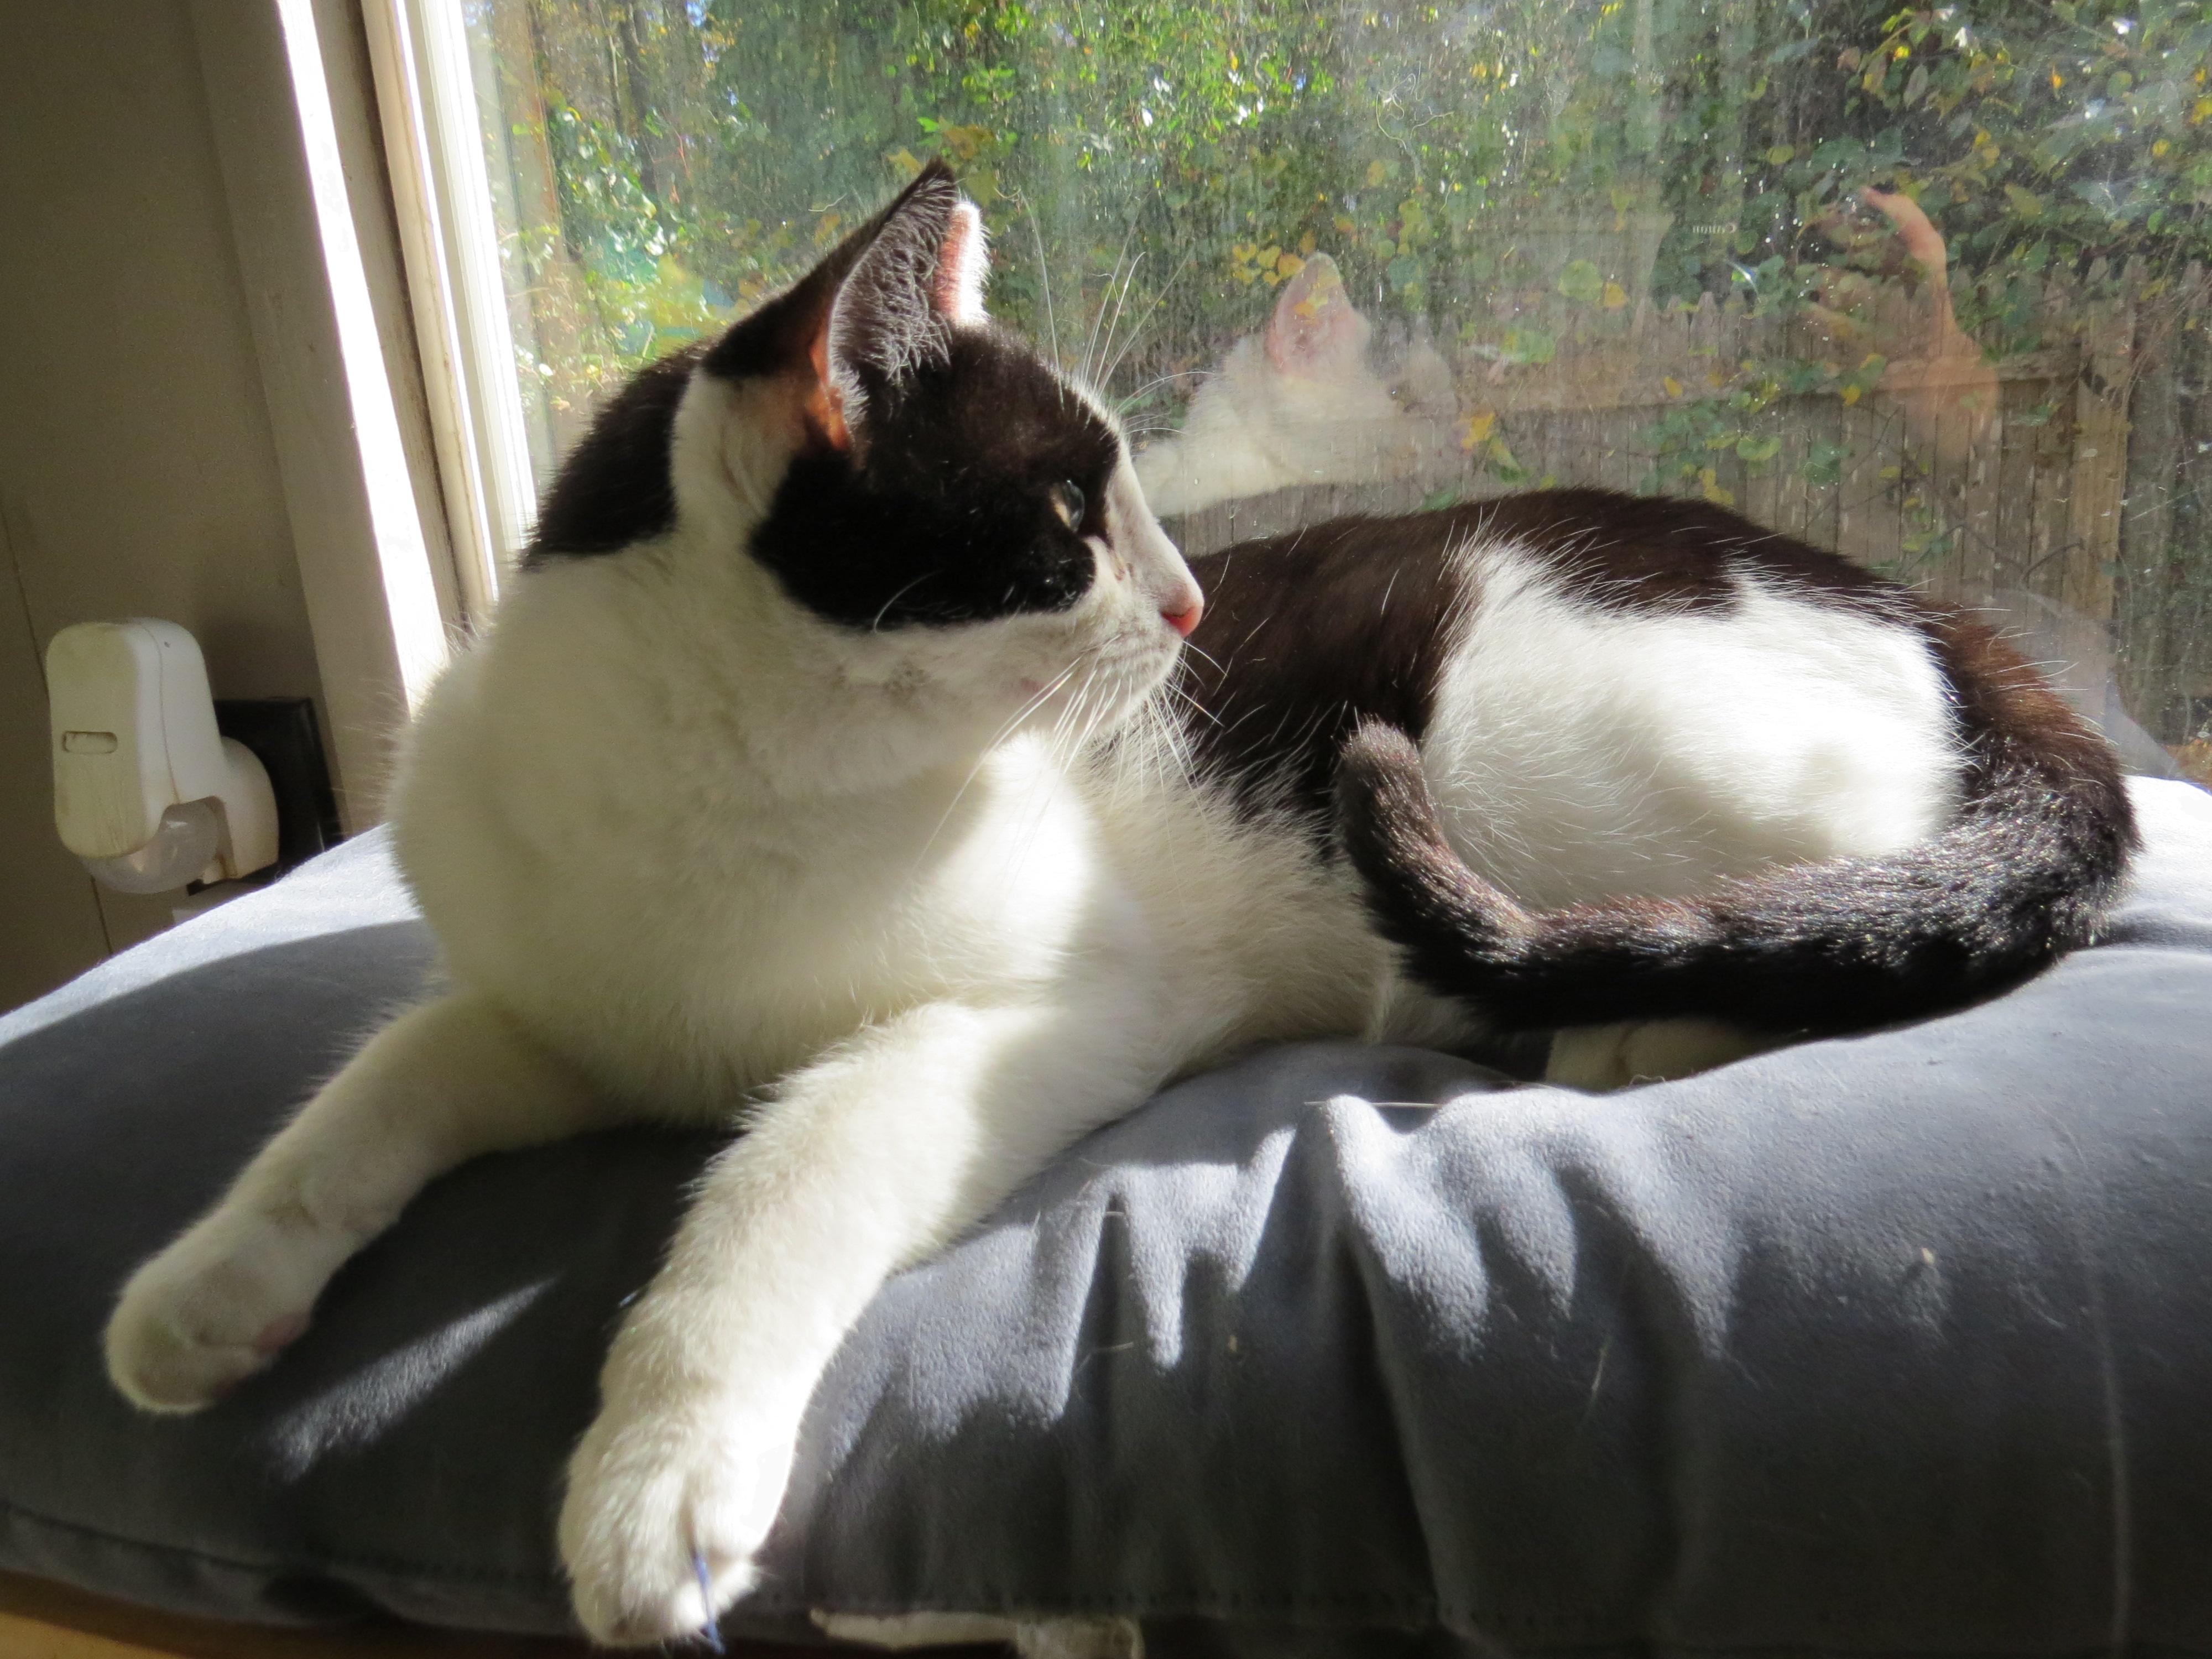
855,761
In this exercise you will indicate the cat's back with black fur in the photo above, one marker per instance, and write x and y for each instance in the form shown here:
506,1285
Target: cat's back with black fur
1337,637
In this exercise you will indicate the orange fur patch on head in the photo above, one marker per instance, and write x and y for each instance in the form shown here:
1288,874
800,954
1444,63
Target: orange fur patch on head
820,405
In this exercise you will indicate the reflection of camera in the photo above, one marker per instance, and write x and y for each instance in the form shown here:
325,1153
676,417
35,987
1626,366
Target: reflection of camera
1872,242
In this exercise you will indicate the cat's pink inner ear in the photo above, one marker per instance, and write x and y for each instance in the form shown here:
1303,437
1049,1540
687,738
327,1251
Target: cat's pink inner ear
1315,325
962,264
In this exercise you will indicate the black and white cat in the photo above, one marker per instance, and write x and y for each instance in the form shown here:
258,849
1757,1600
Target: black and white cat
820,775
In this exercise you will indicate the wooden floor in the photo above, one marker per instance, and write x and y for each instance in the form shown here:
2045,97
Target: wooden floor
38,1620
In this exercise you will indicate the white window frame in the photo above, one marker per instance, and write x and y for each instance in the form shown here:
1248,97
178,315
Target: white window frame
316,255
441,190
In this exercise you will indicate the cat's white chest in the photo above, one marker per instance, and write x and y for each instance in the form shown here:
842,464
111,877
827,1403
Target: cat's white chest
733,939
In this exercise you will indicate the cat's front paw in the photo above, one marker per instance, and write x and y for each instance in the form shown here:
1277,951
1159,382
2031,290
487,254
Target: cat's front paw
667,1502
211,1310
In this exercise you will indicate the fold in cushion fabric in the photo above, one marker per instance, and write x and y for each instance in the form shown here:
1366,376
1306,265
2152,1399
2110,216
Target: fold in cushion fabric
1897,1344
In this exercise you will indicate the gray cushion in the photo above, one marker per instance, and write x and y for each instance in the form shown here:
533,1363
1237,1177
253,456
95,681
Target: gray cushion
1899,1343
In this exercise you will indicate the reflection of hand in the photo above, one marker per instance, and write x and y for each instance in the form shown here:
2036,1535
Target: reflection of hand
1938,375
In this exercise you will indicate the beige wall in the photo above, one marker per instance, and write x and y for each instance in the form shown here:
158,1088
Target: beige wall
137,472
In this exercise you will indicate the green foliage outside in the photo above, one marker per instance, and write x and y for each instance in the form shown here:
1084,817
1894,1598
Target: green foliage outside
702,153
1515,177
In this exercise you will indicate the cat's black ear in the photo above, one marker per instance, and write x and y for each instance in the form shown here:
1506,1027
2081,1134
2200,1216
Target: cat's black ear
921,278
881,304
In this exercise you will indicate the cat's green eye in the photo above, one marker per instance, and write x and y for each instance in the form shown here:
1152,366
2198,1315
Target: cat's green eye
1067,504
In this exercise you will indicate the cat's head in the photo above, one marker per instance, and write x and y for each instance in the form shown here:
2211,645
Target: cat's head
1312,399
894,492
1338,405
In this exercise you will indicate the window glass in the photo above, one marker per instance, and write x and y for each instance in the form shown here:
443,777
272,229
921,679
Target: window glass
1922,286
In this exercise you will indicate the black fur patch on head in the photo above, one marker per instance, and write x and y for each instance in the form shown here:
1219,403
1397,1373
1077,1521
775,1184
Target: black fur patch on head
943,511
615,488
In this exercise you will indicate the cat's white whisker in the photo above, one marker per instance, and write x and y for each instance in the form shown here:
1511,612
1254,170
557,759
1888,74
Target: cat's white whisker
1011,723
1082,371
1120,303
1136,331
875,624
1044,282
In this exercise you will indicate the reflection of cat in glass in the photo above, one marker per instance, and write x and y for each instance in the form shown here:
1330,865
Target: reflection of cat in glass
1942,380
1303,401
1945,386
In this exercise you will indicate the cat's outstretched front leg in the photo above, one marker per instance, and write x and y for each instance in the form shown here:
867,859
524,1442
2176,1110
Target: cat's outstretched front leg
441,1083
871,1160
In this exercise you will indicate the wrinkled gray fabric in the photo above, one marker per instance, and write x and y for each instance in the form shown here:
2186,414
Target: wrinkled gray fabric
1898,1343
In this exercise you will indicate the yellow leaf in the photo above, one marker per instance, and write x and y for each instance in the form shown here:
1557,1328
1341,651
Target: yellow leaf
1709,486
1269,254
905,160
1673,386
1715,378
1376,173
1345,226
1615,296
965,142
1288,265
1850,394
1476,428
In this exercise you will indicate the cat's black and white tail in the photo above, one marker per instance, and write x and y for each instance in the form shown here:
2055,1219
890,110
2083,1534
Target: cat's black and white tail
2024,872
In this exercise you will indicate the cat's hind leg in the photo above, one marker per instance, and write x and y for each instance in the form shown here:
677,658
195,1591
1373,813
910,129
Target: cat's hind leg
439,1084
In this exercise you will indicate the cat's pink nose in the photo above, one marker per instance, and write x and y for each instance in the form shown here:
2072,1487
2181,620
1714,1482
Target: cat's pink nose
1185,622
